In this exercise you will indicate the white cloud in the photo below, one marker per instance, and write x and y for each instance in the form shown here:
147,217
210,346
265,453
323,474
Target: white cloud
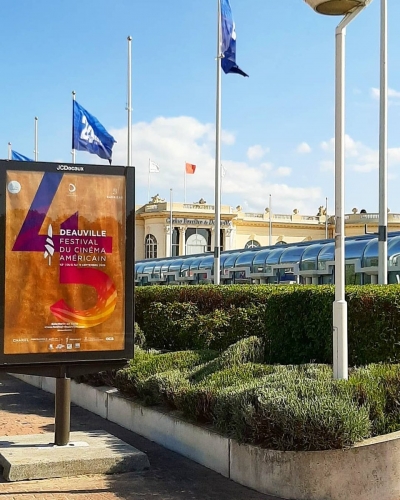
359,157
267,166
170,142
351,146
303,148
256,152
226,138
393,156
283,171
375,93
328,145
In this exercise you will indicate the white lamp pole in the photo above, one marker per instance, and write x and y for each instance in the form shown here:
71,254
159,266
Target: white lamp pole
350,9
383,148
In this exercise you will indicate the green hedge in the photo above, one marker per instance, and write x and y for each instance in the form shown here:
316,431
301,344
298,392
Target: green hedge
294,321
179,326
206,297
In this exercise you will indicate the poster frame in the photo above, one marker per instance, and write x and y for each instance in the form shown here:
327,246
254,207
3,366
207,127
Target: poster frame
72,363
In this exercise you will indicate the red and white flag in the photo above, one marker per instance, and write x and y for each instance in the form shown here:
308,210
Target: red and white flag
190,168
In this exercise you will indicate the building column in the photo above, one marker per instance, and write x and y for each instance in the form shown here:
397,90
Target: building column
227,238
182,240
212,238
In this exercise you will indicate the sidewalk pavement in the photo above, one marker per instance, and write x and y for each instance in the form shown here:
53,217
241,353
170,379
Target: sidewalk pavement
27,410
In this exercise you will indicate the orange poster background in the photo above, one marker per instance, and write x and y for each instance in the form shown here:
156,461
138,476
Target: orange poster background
32,285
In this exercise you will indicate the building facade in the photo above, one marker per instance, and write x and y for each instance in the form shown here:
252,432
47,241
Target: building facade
193,228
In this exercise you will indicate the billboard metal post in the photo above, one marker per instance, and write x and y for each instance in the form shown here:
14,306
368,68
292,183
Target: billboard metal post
62,411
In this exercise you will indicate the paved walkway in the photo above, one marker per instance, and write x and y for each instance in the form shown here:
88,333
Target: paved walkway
27,410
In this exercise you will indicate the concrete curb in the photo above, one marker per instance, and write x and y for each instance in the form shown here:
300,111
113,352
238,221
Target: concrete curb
95,452
369,470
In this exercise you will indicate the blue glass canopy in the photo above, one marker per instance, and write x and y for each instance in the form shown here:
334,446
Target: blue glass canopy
309,258
246,258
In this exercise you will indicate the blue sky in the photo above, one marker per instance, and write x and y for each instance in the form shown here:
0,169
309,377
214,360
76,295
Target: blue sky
278,124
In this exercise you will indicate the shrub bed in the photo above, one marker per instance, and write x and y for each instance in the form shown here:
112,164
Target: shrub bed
295,322
145,364
283,407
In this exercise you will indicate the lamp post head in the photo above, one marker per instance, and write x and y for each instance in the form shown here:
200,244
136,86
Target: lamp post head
336,7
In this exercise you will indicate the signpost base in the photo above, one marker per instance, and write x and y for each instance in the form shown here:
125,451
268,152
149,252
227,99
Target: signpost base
63,411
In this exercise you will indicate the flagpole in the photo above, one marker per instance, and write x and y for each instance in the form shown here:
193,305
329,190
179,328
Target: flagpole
222,181
184,184
170,222
326,218
73,152
9,151
148,184
35,151
270,220
129,106
217,244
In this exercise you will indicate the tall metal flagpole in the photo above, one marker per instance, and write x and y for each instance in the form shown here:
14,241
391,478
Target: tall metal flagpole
170,222
217,249
326,218
129,105
148,184
184,184
383,145
73,152
270,220
9,151
35,151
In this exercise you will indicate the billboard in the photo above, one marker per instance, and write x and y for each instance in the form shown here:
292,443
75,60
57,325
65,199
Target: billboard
67,261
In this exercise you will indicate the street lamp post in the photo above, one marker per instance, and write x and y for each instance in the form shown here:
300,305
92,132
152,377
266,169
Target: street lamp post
383,144
349,9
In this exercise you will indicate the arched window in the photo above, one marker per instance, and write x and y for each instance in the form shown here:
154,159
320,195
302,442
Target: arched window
252,244
196,243
198,240
150,247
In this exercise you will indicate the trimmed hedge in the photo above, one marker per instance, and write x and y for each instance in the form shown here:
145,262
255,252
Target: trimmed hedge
179,326
294,321
207,298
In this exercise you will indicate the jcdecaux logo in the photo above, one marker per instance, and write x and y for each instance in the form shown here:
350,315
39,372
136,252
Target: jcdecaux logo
70,168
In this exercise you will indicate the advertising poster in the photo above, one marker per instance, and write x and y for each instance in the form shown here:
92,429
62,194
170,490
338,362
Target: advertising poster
64,262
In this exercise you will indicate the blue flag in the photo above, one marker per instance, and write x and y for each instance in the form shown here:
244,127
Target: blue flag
228,45
88,134
19,157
